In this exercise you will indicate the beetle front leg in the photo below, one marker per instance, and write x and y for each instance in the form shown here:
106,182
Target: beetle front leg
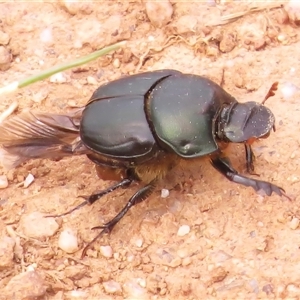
138,197
250,157
224,166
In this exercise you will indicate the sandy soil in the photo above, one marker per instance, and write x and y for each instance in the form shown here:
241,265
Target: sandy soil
238,244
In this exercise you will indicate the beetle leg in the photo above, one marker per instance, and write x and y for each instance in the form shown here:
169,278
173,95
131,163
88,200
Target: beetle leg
223,165
138,197
250,157
93,198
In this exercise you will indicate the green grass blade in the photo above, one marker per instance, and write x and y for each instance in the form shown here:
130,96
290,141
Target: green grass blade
49,72
75,63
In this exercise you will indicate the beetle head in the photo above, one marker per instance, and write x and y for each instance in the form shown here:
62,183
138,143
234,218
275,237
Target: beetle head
246,122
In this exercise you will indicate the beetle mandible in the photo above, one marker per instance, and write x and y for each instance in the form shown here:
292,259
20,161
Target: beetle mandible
139,127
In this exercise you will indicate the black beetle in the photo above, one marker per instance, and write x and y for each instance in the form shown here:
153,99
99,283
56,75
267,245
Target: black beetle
139,127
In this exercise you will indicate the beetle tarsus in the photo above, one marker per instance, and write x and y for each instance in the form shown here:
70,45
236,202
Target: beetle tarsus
69,211
224,167
94,197
140,196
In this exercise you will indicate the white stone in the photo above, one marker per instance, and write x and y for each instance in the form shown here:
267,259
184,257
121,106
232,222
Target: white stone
68,241
183,230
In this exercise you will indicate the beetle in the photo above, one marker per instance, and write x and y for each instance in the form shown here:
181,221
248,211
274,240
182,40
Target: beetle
139,127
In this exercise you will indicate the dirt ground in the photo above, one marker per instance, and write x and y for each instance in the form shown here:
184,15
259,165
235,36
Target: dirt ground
210,238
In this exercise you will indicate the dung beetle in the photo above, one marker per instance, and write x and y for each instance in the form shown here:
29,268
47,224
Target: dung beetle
139,127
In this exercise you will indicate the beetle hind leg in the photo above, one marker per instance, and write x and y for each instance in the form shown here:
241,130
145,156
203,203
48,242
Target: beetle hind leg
224,166
140,196
94,197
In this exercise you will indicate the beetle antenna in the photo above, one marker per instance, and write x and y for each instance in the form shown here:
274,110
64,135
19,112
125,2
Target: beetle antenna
271,92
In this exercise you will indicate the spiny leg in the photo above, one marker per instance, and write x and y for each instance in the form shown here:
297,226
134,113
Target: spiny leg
94,197
250,157
223,165
138,197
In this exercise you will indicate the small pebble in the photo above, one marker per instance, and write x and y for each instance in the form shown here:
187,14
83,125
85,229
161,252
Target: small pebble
77,44
116,63
4,38
28,180
20,178
283,39
294,223
77,294
159,12
217,274
46,36
142,282
106,251
164,193
293,290
187,251
31,267
163,257
7,245
134,290
112,287
268,289
293,178
288,90
139,243
254,286
220,256
292,70
27,285
185,24
212,51
260,224
151,38
130,258
75,7
293,10
58,78
183,230
176,262
186,261
92,80
68,241
5,59
3,182
41,95
72,103
35,225
228,43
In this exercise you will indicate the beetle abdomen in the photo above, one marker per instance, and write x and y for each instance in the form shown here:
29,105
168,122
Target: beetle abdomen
118,128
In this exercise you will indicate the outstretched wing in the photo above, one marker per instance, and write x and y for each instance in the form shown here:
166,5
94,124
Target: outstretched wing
39,135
